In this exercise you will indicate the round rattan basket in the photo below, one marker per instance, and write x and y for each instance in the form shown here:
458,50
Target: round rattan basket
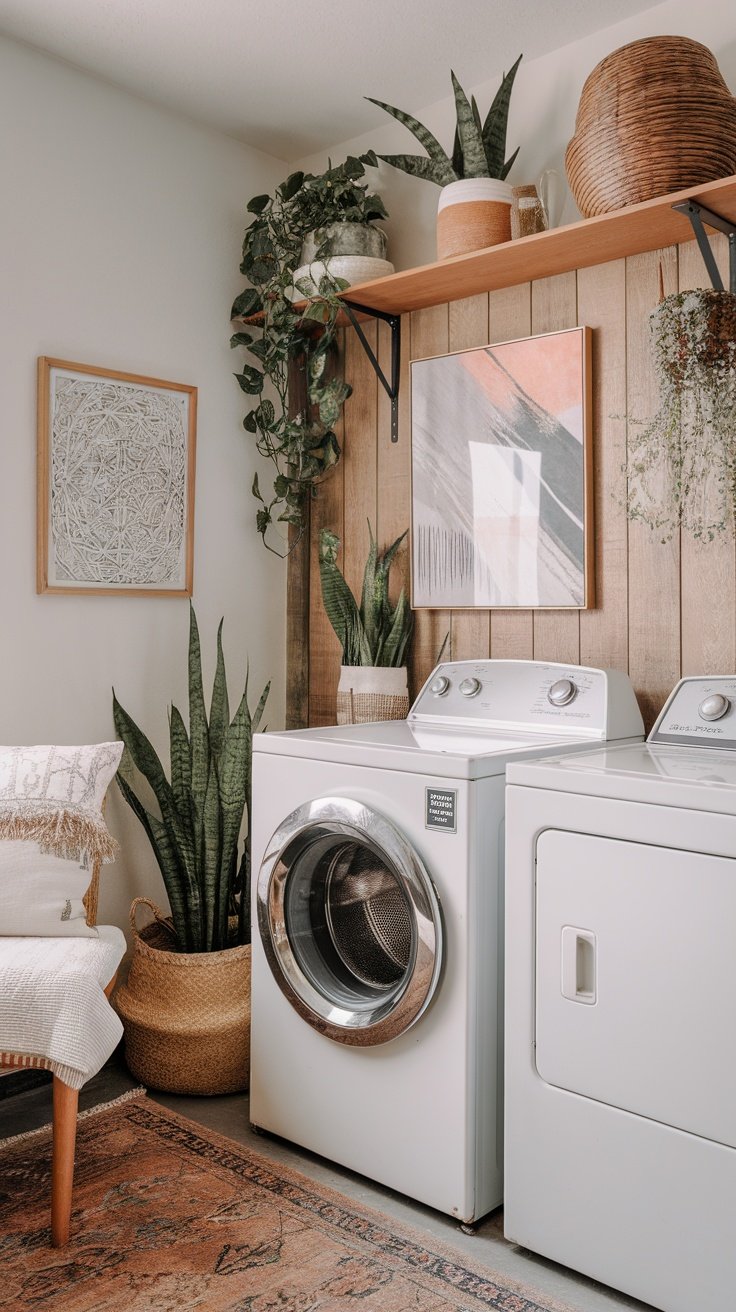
186,1015
654,117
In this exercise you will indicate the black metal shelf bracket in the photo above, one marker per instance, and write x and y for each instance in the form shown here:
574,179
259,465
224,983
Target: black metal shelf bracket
699,216
394,322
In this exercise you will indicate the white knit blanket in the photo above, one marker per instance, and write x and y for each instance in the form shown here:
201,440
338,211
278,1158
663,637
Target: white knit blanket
53,1004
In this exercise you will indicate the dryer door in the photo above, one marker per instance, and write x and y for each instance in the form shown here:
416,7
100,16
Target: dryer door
636,978
349,921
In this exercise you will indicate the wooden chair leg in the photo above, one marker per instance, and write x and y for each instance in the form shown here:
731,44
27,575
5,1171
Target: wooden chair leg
62,1161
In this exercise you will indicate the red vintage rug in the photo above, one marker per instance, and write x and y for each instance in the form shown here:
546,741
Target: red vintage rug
168,1215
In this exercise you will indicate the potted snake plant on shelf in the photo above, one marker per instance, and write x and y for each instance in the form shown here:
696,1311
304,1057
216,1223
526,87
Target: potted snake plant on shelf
374,636
475,199
185,1006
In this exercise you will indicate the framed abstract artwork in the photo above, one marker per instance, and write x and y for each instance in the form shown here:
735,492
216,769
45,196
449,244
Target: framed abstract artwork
116,459
502,480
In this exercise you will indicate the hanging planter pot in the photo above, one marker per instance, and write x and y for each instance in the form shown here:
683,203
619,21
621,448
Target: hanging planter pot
472,214
682,464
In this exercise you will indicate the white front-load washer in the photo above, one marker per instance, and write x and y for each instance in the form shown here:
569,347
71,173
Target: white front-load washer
620,1007
377,860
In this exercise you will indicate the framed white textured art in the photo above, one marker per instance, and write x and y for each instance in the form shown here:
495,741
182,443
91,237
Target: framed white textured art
116,455
502,484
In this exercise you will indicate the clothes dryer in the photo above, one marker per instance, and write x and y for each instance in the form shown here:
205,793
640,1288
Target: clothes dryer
620,1007
378,858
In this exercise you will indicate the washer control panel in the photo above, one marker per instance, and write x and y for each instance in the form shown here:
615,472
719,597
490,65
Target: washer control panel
532,695
699,712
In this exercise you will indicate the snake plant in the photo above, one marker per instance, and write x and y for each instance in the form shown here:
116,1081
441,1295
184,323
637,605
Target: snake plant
374,633
195,830
479,149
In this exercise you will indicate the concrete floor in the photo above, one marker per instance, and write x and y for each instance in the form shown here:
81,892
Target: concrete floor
229,1116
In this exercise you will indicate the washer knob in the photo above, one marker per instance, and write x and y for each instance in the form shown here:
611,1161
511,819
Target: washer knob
714,707
470,687
439,685
562,692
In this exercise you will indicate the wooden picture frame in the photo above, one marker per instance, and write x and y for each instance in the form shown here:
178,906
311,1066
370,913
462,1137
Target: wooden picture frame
502,476
115,482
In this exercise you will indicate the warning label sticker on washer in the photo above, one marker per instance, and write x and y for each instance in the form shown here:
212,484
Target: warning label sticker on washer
441,809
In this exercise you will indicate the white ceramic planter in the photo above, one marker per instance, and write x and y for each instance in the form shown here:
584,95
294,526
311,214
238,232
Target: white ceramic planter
353,268
367,693
473,213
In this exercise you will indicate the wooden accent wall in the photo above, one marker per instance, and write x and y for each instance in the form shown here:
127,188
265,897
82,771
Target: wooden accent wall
662,610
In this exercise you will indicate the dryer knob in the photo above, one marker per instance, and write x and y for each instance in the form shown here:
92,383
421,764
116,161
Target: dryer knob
439,685
714,707
470,687
562,692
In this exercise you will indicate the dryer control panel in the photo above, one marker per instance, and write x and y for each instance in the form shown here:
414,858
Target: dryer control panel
530,695
700,712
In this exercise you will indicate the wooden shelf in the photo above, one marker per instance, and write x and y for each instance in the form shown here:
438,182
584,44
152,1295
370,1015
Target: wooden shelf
646,227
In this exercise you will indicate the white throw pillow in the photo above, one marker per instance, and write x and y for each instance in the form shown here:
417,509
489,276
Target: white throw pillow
53,796
41,895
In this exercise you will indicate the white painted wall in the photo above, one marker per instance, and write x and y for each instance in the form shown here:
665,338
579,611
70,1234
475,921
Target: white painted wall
542,119
120,233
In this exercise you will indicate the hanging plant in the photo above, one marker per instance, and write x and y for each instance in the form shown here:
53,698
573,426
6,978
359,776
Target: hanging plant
681,465
299,441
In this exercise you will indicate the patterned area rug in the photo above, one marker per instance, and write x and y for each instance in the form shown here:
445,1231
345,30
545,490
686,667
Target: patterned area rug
168,1215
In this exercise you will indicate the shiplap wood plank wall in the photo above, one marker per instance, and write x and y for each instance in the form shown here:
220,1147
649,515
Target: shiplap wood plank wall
661,609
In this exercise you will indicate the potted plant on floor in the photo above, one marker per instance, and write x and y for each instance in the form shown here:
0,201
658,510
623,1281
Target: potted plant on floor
475,200
374,636
297,392
186,1004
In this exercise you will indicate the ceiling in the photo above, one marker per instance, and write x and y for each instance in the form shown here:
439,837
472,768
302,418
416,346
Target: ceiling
288,77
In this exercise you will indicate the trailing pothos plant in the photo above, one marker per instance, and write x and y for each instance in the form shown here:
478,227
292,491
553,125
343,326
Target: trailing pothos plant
299,441
194,825
374,633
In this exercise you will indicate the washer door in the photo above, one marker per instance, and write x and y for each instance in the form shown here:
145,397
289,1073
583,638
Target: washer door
350,922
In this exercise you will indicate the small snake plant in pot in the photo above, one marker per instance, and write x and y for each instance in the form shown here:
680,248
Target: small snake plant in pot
374,635
186,1003
475,201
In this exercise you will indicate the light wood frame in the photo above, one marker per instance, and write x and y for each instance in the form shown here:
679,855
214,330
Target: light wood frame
588,481
46,365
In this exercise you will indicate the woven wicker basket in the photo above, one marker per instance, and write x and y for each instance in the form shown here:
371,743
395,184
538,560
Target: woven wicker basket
473,213
654,117
367,693
186,1015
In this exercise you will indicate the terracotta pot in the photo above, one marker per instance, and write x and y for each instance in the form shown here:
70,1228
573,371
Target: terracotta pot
367,693
472,214
186,1015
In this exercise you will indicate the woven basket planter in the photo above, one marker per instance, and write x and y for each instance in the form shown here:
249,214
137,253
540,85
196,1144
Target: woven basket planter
654,117
367,693
472,214
186,1015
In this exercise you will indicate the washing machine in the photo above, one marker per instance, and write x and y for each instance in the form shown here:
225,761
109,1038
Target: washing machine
377,860
621,1007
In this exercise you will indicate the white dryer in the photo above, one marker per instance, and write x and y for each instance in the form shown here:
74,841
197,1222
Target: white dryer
377,861
621,1007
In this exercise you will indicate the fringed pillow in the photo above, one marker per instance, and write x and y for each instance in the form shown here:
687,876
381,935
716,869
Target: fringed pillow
53,796
42,895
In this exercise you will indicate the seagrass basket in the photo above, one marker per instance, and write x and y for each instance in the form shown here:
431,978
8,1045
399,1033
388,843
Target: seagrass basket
654,117
186,1015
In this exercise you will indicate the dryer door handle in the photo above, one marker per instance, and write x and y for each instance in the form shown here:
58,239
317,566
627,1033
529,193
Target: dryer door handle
579,964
